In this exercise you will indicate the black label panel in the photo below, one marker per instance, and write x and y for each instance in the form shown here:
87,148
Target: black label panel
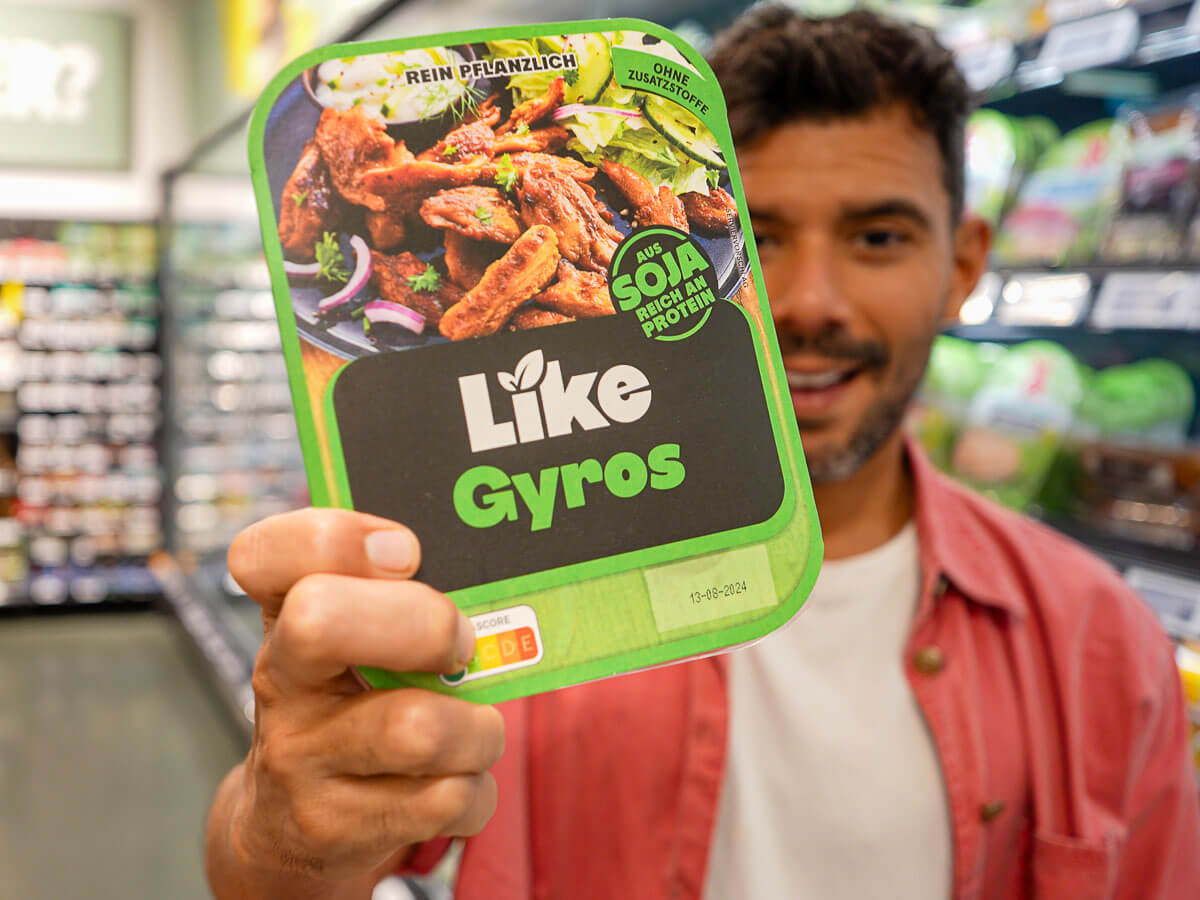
678,444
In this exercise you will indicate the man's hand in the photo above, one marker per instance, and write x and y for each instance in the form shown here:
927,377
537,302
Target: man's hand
340,779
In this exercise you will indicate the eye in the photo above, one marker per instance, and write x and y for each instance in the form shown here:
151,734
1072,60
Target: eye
882,238
765,240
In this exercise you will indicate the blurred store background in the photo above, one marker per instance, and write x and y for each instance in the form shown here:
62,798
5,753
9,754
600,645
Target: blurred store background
145,416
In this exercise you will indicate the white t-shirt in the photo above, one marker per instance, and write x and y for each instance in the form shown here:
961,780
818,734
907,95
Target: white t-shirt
833,787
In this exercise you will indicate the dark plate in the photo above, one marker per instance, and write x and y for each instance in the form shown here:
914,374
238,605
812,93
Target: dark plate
291,124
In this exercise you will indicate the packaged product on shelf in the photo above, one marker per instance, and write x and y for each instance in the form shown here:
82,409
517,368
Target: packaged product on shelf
1187,659
1063,207
956,370
521,310
1147,402
991,162
1161,182
1001,150
1016,421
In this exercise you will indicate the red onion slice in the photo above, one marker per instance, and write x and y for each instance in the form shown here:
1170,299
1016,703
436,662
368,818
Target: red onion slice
564,112
302,270
394,313
358,279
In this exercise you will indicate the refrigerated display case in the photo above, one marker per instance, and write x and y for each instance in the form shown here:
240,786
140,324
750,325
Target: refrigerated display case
80,476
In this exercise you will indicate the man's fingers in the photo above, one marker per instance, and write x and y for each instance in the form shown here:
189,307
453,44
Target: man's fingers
331,622
385,812
270,556
478,811
413,732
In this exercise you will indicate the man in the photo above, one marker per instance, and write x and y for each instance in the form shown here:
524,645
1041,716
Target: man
970,706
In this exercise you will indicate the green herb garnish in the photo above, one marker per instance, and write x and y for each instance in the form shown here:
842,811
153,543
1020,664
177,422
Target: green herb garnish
329,257
713,176
483,214
521,130
506,173
334,83
358,313
381,81
450,150
428,281
357,101
467,104
386,110
299,197
571,76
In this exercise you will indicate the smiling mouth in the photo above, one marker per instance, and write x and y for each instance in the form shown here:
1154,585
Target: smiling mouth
819,381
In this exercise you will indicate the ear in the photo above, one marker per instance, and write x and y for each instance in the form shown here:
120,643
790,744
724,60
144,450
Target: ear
972,241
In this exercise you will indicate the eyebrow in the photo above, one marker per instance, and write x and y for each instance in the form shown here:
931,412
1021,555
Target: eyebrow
892,206
764,215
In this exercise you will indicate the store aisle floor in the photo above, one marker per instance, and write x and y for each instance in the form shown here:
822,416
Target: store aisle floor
110,748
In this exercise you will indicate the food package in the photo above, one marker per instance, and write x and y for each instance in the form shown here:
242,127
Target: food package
522,313
1060,214
1016,422
1160,184
957,369
1147,402
991,163
1001,150
1187,659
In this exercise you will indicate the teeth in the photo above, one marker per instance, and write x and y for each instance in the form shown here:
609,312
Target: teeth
810,381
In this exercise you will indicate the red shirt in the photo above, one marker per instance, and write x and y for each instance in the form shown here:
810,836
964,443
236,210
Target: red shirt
1049,688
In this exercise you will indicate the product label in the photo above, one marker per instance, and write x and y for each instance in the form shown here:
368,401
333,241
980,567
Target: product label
710,588
560,445
505,639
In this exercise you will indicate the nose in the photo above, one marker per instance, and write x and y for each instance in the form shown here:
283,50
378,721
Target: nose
804,294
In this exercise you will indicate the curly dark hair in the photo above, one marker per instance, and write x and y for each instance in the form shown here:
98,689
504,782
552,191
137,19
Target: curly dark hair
776,65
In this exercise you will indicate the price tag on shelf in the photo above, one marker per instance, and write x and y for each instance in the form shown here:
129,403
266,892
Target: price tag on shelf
1058,11
1148,300
984,65
1043,299
1087,43
1175,600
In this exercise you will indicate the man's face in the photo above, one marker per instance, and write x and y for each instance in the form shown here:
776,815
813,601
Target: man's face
863,266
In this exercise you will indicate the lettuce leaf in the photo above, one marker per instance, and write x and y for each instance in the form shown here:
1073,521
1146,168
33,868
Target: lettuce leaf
599,137
526,85
680,173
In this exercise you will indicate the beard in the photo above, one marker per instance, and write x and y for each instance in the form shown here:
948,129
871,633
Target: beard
879,423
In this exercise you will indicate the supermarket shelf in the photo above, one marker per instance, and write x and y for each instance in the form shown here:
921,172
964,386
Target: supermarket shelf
1165,50
1099,269
21,607
1006,334
200,608
1125,552
81,590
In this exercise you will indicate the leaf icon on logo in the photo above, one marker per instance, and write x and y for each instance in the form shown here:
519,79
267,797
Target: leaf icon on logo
530,369
507,381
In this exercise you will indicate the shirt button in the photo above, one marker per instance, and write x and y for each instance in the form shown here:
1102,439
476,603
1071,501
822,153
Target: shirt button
991,809
929,660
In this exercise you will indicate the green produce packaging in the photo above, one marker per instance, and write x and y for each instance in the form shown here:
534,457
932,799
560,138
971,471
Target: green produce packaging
1065,204
523,313
1016,422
